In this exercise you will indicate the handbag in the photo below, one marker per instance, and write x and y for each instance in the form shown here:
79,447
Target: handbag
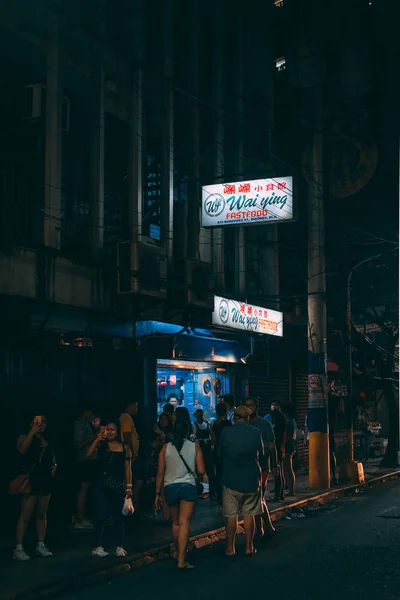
128,508
21,483
199,485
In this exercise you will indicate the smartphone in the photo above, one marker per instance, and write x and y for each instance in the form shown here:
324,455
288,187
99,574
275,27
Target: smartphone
38,419
102,429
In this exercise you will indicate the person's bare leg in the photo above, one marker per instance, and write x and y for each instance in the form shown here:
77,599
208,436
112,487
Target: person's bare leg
175,522
231,527
81,502
266,517
249,526
259,525
289,473
41,517
185,516
166,513
28,504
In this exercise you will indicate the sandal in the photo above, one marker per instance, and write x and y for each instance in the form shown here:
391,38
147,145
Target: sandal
186,567
250,554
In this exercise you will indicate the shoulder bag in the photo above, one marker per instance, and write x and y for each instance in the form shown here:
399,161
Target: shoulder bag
21,483
199,485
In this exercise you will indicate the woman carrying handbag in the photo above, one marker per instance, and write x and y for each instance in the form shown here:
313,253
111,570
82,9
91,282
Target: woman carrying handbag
34,484
178,463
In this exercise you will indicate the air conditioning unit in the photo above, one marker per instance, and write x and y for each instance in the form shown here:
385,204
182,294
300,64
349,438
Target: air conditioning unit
142,269
192,283
34,104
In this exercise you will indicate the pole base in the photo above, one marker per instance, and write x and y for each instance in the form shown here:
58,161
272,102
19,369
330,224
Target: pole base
352,471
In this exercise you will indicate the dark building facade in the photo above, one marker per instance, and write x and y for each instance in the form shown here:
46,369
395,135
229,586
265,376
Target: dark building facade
114,114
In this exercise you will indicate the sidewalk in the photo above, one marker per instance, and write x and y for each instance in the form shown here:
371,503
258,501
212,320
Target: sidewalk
72,558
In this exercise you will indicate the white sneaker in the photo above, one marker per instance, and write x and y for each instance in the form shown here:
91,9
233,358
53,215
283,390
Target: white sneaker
43,551
21,555
120,551
100,552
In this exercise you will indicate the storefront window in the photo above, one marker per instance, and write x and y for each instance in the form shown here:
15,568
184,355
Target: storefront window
191,384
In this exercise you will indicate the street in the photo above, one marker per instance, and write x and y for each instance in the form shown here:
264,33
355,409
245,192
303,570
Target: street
349,549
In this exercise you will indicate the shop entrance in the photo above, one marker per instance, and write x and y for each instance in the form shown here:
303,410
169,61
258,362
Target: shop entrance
192,384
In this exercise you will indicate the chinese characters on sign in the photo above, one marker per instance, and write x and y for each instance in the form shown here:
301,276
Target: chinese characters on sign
244,188
237,315
247,202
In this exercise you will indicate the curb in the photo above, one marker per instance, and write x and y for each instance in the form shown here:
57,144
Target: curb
95,575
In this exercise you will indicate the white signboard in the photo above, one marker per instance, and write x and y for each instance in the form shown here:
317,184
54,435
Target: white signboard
247,202
247,317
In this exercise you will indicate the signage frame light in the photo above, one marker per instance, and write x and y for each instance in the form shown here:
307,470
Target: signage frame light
247,318
244,203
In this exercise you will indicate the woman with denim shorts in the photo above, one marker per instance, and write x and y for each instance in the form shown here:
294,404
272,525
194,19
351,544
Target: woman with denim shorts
178,462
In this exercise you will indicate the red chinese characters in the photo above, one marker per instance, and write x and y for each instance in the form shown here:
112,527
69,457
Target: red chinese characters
265,314
269,187
282,185
258,188
249,310
230,189
242,308
244,188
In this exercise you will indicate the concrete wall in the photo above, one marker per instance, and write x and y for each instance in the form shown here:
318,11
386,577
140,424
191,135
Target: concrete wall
24,273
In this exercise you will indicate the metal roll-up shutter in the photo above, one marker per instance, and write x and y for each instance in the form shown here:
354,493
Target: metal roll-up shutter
269,390
272,383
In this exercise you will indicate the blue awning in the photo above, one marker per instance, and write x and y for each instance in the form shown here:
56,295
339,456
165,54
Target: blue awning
146,328
167,340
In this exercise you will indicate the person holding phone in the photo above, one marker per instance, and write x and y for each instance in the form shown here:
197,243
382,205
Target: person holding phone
113,485
36,456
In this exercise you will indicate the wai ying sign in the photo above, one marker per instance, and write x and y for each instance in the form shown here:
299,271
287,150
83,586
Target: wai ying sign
247,317
248,202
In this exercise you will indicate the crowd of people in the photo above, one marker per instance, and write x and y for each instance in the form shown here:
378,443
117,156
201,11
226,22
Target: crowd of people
183,457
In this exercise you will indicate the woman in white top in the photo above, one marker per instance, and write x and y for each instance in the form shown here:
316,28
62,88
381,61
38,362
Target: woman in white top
179,483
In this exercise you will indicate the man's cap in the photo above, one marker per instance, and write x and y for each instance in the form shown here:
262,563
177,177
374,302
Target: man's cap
242,412
198,410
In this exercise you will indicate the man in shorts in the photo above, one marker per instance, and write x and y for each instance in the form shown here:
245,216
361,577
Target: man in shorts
264,525
241,450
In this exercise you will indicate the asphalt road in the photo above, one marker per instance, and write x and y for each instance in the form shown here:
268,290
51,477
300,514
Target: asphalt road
351,550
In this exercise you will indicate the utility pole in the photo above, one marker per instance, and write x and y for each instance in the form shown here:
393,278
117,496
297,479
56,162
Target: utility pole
317,418
352,469
240,235
398,191
218,232
167,214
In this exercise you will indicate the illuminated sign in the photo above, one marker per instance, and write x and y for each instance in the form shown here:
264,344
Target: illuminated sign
247,202
247,317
